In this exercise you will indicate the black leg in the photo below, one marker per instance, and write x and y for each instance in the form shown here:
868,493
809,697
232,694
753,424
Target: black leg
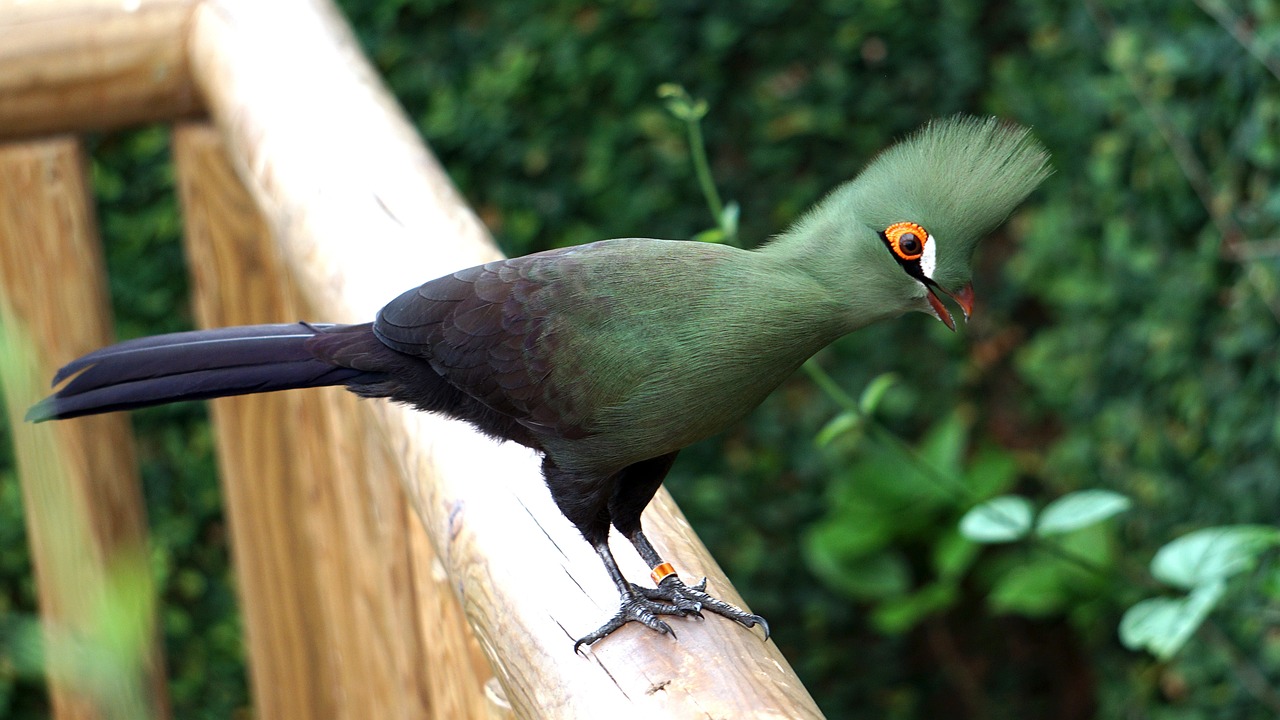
634,488
585,500
690,598
582,498
635,606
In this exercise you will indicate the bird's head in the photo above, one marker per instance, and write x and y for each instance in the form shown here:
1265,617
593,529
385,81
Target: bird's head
911,220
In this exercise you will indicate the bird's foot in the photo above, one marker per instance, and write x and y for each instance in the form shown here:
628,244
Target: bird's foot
638,607
695,599
672,597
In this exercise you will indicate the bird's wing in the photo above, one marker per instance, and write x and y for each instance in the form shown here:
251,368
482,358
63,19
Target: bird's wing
485,330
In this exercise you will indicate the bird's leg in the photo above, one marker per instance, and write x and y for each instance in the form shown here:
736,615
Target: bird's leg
635,605
584,500
691,599
633,488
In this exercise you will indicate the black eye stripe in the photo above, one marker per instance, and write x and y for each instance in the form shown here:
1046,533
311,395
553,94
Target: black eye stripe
912,267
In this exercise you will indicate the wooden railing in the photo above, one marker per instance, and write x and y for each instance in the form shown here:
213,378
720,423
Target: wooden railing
391,564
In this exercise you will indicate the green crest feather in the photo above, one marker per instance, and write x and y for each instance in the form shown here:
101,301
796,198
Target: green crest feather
959,178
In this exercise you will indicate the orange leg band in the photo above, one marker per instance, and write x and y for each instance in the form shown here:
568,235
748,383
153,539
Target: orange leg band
661,572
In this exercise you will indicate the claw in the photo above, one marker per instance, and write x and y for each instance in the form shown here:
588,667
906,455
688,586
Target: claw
636,607
693,599
679,602
764,625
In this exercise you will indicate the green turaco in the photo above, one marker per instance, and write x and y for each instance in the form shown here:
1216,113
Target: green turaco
610,357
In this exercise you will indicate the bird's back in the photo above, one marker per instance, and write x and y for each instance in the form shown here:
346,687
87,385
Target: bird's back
616,351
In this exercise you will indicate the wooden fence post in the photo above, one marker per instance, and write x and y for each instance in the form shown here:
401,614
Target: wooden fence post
331,579
80,486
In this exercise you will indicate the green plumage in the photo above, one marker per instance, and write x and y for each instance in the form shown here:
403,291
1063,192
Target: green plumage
653,345
959,177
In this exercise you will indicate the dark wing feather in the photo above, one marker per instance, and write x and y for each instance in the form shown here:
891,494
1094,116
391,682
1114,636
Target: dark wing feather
485,330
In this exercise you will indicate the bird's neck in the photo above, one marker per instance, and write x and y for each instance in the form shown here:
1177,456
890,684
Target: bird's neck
834,275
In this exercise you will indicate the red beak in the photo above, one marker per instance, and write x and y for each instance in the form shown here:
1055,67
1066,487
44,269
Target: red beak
963,297
941,310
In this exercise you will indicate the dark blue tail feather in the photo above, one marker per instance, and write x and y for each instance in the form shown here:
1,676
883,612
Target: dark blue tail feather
194,365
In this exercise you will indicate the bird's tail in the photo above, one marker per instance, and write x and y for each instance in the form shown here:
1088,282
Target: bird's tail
196,366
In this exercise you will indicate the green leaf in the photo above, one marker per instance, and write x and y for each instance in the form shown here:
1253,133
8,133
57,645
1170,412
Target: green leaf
901,614
1002,519
991,471
852,562
671,90
1080,509
1032,590
856,523
1163,625
839,425
874,392
875,577
729,218
943,446
680,104
710,235
953,554
1212,554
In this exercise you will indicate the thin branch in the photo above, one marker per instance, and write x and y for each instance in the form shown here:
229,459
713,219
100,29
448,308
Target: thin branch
701,168
828,385
1242,33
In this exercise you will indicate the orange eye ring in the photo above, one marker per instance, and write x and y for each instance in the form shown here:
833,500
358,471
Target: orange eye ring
906,240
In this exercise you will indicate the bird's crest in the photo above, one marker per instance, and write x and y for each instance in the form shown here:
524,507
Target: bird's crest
959,178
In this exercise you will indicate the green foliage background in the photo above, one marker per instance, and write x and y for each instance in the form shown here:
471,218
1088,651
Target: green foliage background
1125,335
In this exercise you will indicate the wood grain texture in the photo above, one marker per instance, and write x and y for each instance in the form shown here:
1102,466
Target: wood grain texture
79,478
343,616
363,211
78,65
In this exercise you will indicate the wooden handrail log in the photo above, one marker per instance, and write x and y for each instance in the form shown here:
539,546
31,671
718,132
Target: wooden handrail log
81,65
363,212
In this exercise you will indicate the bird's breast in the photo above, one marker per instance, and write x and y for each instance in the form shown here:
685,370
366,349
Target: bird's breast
662,382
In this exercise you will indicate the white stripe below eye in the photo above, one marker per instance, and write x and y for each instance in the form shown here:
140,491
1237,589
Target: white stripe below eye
929,260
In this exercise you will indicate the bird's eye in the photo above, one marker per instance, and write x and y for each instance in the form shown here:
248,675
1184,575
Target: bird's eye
906,240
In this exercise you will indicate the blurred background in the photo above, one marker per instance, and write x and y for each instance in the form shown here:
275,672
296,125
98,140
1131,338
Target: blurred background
1125,334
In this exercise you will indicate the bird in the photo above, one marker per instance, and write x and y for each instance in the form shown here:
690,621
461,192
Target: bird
608,358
